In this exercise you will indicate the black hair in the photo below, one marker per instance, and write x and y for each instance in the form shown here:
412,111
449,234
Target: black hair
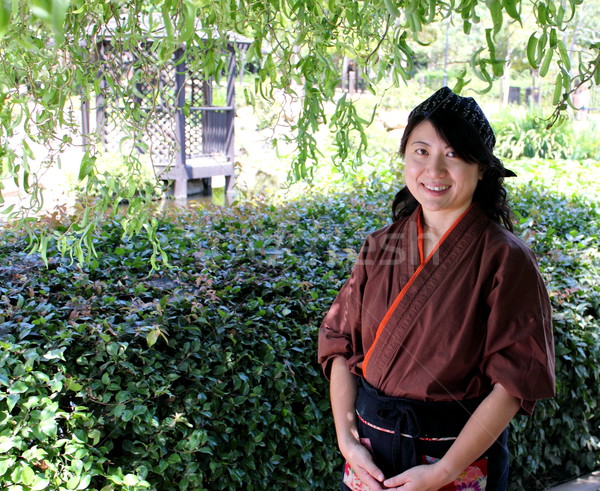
490,193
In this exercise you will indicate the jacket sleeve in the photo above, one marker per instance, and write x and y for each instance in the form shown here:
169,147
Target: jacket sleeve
340,331
519,347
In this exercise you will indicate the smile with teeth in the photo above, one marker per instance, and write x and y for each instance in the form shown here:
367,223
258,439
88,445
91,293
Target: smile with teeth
436,188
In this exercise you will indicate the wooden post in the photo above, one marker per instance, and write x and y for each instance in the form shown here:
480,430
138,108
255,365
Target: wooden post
229,146
181,173
101,96
230,125
205,119
85,119
351,82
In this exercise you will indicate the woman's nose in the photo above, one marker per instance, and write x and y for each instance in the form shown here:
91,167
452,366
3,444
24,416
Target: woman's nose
437,165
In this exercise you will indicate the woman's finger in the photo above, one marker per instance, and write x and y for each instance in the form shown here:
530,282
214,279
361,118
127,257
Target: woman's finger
367,479
361,461
396,481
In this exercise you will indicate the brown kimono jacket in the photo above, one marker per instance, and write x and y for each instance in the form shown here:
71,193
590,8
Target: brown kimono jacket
475,313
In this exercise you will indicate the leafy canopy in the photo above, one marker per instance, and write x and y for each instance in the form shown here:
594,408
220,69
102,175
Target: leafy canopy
50,58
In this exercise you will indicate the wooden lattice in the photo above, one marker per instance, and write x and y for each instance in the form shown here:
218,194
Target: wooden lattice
154,94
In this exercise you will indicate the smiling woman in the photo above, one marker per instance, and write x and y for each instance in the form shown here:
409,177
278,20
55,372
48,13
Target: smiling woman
439,179
457,132
419,415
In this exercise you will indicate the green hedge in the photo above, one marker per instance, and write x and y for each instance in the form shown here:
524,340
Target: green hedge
204,376
528,137
562,439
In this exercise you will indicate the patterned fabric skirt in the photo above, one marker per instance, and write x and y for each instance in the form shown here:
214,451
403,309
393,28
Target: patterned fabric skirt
402,433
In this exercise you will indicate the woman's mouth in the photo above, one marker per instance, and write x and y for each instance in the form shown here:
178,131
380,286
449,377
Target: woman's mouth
437,189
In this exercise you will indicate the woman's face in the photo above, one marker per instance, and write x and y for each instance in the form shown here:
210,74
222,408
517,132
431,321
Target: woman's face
440,180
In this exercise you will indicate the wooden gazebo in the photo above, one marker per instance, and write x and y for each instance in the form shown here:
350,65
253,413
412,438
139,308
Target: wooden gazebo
185,120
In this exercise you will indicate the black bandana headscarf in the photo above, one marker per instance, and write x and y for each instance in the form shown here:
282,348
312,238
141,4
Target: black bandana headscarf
467,108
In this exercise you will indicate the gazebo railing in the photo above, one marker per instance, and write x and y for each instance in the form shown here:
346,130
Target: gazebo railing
184,124
216,126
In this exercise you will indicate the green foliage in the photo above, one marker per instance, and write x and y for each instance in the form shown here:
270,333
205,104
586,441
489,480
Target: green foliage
528,136
49,52
111,172
566,177
46,440
201,377
562,439
204,376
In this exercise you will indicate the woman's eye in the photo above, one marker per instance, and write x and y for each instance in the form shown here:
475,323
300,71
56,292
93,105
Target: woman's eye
451,154
421,151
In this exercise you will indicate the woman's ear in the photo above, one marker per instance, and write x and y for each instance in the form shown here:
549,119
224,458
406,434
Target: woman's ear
481,170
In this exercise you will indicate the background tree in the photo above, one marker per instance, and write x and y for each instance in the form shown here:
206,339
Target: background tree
48,52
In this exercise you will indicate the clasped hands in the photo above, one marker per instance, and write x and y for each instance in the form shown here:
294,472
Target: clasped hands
420,478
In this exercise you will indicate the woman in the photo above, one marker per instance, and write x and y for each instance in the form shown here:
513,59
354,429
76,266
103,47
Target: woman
443,331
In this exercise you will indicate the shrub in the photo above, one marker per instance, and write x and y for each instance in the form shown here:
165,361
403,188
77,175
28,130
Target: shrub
527,137
563,177
204,375
562,439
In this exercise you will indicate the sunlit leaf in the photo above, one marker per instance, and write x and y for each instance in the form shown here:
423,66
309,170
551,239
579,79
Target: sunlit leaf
5,9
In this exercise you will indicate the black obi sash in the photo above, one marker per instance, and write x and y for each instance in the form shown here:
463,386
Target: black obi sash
399,431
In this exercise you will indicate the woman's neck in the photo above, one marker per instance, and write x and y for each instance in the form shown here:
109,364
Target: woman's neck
435,226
